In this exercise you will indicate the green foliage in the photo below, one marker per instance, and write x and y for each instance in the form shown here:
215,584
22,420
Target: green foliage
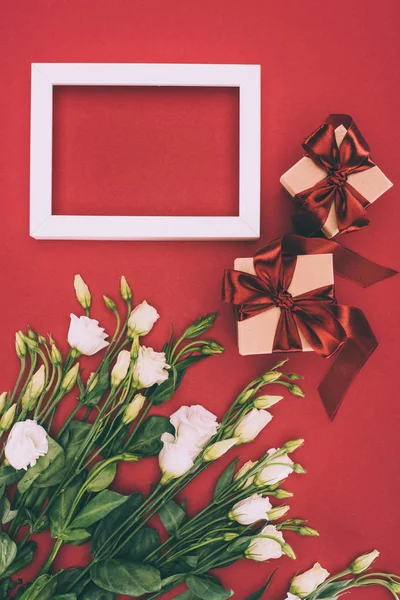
47,468
73,437
101,476
93,592
226,478
23,558
143,543
8,551
116,518
172,516
259,593
41,589
76,537
123,577
7,514
61,507
66,581
97,508
147,441
93,397
8,475
207,587
200,326
333,588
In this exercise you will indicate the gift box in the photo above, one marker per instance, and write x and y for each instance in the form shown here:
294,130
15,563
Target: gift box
284,301
336,181
256,335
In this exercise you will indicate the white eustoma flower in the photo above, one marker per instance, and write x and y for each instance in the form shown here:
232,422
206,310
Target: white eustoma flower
251,510
142,319
194,427
174,459
305,584
277,470
86,336
121,367
267,547
219,449
150,367
26,443
251,425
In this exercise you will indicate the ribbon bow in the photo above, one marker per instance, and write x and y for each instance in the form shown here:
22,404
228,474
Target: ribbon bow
314,204
329,328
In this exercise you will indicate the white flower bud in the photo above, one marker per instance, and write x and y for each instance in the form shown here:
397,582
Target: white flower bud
242,472
34,389
142,319
218,449
121,367
20,346
126,291
92,382
251,425
3,400
267,545
305,584
70,378
82,292
363,562
250,510
8,418
278,512
133,408
55,355
271,376
266,401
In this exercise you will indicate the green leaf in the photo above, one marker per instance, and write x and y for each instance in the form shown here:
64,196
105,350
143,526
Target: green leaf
143,543
123,577
55,455
4,588
201,325
165,390
73,437
226,478
207,587
65,597
147,441
103,476
41,589
76,537
259,593
109,524
7,514
186,595
333,588
92,592
35,498
60,509
8,551
23,558
172,515
100,506
66,581
9,475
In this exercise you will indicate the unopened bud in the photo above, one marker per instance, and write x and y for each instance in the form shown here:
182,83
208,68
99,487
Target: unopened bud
135,348
288,550
82,292
293,445
92,382
211,348
34,389
282,494
271,376
20,346
266,401
218,449
363,562
31,334
296,390
121,367
55,355
70,378
278,512
299,469
126,291
293,376
3,400
133,409
245,396
8,418
228,537
30,342
110,303
308,531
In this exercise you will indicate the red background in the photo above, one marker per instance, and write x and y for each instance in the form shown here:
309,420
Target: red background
176,152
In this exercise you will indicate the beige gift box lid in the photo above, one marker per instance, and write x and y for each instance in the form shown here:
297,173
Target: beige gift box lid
256,335
371,184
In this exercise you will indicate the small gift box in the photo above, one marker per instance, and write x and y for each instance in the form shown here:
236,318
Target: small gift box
284,301
337,180
256,335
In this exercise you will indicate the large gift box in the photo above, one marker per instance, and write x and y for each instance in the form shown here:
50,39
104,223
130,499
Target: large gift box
336,181
256,335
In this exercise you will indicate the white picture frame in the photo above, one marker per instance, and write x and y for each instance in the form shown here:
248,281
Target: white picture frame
44,225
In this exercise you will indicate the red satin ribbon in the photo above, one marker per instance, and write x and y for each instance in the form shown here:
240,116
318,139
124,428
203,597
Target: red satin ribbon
315,203
329,328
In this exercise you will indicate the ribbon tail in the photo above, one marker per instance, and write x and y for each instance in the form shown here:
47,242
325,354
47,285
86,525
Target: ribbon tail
349,358
346,263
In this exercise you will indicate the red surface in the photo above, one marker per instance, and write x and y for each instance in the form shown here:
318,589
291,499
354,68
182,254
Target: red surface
316,58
